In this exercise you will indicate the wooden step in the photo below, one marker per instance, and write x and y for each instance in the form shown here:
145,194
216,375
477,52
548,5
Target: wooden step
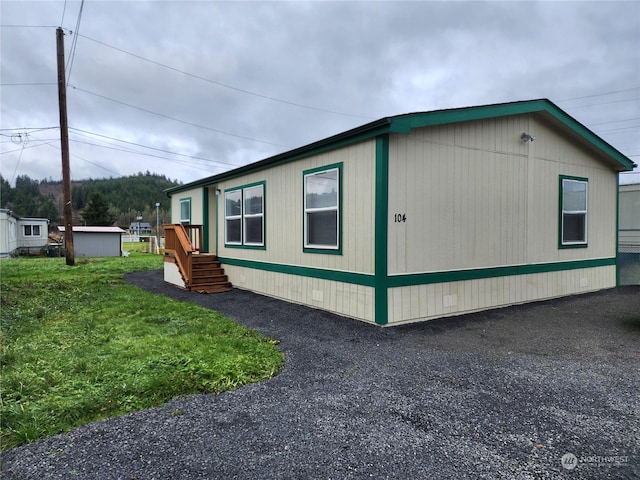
207,275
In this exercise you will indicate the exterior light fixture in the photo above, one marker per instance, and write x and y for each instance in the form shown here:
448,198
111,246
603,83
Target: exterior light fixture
525,137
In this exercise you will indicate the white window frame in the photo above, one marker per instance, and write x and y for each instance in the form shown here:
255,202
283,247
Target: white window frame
243,216
32,230
232,217
246,215
185,201
323,248
564,181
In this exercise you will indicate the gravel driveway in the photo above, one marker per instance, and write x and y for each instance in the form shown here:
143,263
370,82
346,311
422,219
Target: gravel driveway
503,394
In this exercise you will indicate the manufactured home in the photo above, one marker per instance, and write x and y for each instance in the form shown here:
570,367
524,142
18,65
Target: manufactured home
96,241
412,217
629,234
629,225
22,234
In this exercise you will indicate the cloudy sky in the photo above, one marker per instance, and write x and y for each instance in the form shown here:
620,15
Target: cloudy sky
192,89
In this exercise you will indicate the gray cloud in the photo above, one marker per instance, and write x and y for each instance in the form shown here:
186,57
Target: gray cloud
346,62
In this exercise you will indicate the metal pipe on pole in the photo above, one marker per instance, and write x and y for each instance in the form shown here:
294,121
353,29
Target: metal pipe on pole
64,147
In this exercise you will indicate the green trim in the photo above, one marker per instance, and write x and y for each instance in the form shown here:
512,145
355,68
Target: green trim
334,275
217,215
560,211
381,302
205,219
492,272
242,188
404,123
617,229
396,281
319,250
185,199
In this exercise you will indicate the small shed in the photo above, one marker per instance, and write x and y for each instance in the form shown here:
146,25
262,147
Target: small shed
96,241
22,233
421,215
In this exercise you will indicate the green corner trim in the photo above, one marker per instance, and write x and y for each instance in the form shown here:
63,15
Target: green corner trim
381,310
205,219
491,272
617,229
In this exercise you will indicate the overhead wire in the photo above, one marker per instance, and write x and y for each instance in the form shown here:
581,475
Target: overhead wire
72,129
177,119
231,87
74,42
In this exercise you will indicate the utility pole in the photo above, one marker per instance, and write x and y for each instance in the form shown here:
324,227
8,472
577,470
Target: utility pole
64,147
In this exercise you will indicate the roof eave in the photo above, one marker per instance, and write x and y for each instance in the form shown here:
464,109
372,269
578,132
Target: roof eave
403,124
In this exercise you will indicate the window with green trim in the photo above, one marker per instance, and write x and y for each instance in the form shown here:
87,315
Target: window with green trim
244,209
185,210
322,208
574,201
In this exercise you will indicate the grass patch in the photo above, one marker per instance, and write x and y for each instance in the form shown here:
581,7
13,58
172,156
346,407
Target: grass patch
78,345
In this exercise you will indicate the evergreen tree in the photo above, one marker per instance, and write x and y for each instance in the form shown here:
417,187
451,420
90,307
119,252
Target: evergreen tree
97,211
6,193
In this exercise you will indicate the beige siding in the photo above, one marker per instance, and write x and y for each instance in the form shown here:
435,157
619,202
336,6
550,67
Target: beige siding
424,302
346,299
196,206
475,196
284,212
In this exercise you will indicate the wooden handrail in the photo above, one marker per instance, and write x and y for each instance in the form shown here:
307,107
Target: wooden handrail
177,242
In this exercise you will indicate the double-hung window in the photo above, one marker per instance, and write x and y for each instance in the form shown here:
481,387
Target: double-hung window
244,209
31,230
574,201
322,209
185,210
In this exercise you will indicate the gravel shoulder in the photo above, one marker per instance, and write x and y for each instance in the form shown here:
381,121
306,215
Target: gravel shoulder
502,394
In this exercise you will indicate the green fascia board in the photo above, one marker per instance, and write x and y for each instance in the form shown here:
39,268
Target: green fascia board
406,122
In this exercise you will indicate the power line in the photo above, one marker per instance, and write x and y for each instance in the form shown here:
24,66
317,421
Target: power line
151,148
64,9
29,26
178,120
89,161
231,87
72,53
600,94
183,162
26,84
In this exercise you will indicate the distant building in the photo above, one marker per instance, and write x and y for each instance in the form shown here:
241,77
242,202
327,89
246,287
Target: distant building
21,233
96,241
629,225
629,234
140,228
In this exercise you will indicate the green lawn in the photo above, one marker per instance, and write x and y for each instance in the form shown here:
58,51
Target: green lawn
78,344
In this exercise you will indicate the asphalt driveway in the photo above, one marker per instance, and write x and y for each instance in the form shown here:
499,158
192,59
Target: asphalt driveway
504,394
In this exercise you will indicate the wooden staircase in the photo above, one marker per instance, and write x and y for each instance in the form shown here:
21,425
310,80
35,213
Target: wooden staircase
200,272
207,275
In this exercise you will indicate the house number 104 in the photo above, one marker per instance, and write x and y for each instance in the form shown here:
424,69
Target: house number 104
400,217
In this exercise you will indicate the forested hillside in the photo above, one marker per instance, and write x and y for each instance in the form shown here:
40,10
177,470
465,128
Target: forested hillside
127,198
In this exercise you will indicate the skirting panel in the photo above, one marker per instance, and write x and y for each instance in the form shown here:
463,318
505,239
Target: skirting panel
350,300
424,302
172,274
